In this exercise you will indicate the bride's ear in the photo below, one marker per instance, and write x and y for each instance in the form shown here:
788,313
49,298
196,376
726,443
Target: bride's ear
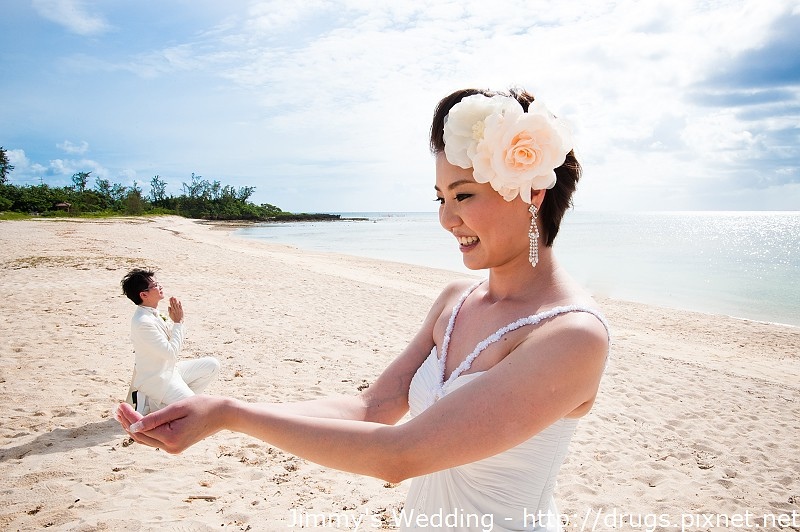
537,197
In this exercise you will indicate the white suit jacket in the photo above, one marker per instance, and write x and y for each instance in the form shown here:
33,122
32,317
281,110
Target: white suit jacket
157,343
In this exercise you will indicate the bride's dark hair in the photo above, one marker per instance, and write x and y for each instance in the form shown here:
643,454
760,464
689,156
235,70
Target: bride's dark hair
557,199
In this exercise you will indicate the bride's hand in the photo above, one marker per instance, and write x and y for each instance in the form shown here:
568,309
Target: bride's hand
176,427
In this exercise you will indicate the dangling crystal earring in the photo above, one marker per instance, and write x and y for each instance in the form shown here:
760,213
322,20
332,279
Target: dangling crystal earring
533,236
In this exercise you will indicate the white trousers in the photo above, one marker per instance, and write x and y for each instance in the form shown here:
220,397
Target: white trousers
189,378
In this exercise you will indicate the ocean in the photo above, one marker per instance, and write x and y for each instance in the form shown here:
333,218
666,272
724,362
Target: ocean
741,264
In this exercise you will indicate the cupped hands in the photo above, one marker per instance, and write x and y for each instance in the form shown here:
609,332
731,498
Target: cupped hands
176,427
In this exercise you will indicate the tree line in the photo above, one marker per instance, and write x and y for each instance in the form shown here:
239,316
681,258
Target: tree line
200,198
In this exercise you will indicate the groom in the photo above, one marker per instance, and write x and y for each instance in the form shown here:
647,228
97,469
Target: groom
159,379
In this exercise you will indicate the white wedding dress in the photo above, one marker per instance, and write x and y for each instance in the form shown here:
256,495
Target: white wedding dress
512,490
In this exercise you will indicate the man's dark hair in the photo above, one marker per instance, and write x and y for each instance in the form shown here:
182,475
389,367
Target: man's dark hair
135,282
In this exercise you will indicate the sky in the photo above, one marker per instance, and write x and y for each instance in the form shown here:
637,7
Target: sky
325,105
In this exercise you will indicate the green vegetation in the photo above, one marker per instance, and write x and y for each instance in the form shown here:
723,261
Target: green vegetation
200,198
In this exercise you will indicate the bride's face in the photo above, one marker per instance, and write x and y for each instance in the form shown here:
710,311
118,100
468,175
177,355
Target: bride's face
490,230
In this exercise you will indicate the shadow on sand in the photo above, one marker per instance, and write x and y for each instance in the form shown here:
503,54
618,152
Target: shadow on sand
65,439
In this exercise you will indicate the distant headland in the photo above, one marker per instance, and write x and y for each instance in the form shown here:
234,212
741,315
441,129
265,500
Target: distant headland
312,217
200,199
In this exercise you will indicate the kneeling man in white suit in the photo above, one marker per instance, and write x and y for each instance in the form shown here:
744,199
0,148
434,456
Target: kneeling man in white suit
159,378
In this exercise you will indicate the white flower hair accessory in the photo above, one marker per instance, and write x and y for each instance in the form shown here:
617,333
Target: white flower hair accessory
513,150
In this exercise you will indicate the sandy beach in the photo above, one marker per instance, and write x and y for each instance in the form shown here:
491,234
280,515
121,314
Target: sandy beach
696,426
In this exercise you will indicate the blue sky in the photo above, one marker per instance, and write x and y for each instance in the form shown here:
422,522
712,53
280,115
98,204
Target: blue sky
324,105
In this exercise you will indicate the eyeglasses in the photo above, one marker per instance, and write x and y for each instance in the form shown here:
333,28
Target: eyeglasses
154,285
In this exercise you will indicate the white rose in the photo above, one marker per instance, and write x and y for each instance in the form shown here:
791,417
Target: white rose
464,125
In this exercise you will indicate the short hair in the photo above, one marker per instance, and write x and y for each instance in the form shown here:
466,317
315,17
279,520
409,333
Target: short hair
557,199
135,282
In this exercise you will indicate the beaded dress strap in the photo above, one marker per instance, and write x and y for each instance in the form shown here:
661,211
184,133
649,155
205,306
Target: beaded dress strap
528,320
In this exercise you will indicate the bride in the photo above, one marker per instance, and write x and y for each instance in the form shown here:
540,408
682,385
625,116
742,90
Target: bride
500,371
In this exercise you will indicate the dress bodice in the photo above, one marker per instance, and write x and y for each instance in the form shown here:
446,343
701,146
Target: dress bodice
513,489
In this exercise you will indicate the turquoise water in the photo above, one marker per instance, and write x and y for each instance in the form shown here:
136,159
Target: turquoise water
743,264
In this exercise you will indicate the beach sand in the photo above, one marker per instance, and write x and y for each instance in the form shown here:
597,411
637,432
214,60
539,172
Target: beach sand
697,414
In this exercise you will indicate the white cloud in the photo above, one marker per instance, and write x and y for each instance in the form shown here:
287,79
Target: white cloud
72,15
66,168
24,171
69,147
272,16
18,159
